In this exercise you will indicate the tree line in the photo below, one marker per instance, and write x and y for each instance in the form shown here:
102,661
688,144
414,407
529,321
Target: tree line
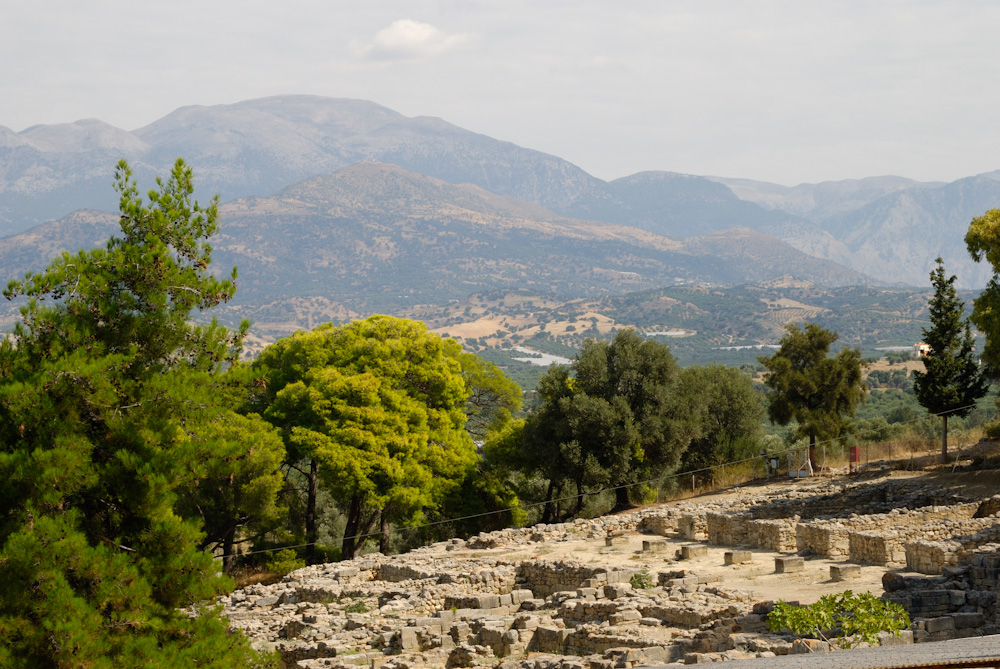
136,446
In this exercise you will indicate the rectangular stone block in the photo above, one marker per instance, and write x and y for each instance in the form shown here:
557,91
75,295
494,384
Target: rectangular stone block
522,595
737,557
489,601
627,617
408,639
787,565
550,639
840,572
968,620
654,546
693,551
616,590
941,624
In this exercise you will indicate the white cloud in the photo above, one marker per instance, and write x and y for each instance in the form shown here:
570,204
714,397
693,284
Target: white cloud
406,39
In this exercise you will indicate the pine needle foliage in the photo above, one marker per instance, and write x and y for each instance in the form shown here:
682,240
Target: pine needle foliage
104,387
951,381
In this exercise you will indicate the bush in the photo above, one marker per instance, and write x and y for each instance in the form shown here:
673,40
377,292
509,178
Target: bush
285,562
642,580
860,618
992,430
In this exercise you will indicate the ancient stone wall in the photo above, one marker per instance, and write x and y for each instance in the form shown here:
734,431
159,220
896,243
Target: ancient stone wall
777,535
824,538
882,548
930,557
663,524
543,577
692,526
725,530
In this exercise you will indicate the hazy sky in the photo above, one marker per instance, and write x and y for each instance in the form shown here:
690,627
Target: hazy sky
786,91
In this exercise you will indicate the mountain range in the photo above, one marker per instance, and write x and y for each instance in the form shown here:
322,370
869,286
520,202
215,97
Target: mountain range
374,237
886,229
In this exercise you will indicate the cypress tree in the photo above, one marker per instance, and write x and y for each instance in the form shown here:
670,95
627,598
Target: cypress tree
952,381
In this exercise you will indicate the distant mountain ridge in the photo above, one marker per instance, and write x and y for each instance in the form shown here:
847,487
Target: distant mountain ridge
376,238
889,228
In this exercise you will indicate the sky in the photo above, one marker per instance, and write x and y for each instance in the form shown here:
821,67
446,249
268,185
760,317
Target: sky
775,90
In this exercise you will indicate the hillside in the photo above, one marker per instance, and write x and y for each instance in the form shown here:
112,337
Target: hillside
701,324
376,238
889,228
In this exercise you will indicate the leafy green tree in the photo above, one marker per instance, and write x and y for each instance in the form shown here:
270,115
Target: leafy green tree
99,398
378,407
621,419
878,430
983,243
729,416
810,387
951,381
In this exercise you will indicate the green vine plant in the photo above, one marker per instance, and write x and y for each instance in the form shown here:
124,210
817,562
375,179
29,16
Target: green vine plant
860,618
642,580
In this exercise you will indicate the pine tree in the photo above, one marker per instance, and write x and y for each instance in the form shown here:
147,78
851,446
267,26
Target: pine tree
810,387
103,387
951,382
375,410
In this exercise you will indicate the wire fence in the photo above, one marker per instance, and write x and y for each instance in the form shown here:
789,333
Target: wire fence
792,462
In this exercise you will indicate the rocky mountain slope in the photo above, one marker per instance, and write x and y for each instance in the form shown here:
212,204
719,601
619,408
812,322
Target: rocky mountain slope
374,237
886,227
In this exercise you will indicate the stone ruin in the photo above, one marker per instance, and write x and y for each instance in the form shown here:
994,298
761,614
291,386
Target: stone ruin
482,602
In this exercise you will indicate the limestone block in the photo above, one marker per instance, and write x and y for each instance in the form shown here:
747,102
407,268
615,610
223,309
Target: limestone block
693,551
654,546
460,632
787,565
626,617
840,572
616,590
801,646
968,620
526,622
696,658
737,557
941,624
408,639
905,638
518,596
